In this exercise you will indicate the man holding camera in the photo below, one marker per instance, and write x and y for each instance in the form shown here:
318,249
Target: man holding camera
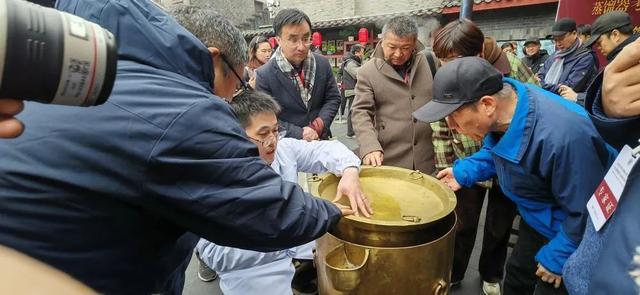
111,194
10,127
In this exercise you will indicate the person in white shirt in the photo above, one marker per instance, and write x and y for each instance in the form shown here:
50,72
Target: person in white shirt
248,272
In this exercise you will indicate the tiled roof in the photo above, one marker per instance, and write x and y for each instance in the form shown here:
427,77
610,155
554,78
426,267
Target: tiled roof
350,21
454,3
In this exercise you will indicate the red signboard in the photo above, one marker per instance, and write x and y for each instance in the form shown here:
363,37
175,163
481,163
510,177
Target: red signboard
586,11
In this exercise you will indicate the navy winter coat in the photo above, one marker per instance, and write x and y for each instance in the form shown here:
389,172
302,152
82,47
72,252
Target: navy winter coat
578,70
613,261
109,194
324,103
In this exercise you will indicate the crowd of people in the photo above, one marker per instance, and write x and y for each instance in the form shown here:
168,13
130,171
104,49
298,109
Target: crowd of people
199,147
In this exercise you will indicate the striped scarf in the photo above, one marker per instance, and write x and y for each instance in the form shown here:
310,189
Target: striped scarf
305,87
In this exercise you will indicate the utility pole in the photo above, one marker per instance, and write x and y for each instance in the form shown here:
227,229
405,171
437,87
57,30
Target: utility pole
466,9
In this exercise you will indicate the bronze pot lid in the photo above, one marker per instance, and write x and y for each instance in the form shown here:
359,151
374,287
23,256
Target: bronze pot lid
402,199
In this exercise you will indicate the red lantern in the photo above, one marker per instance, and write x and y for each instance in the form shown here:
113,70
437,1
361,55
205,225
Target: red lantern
316,39
273,42
363,36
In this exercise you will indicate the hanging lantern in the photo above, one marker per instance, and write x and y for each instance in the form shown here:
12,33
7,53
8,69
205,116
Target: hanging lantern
363,36
273,42
316,39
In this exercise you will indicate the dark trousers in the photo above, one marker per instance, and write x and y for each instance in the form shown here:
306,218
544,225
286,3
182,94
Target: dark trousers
499,218
343,102
349,124
521,276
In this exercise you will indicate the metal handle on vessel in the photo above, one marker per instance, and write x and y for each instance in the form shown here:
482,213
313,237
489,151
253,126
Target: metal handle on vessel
441,288
411,218
416,175
342,278
314,178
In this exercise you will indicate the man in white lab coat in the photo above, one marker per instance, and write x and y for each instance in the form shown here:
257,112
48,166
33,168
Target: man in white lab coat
248,272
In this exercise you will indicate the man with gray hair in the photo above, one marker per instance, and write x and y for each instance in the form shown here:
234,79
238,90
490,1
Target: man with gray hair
393,84
223,40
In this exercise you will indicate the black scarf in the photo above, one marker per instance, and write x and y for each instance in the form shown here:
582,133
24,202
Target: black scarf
619,48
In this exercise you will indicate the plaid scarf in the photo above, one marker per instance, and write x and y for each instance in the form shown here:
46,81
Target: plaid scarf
308,72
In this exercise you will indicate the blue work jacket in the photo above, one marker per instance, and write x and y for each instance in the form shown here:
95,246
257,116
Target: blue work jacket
549,162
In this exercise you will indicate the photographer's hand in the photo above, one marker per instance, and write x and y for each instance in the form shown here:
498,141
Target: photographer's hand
10,127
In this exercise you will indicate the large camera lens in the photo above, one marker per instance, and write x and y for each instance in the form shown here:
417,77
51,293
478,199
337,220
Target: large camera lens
54,57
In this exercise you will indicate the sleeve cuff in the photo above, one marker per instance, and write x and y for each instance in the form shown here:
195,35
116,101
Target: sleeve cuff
554,254
460,174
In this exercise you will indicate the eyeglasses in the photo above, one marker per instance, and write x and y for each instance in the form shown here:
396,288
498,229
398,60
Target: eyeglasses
294,42
243,84
272,138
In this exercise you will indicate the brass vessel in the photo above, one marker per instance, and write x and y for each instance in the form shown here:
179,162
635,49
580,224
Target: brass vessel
405,248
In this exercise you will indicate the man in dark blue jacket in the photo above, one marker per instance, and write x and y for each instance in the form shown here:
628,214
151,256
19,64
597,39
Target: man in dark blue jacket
301,81
612,31
534,141
572,64
110,194
606,262
616,109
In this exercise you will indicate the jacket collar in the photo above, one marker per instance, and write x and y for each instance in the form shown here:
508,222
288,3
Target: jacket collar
514,142
287,84
581,51
385,68
620,46
541,53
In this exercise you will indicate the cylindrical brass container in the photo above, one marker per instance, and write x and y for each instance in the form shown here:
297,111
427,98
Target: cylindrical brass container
405,248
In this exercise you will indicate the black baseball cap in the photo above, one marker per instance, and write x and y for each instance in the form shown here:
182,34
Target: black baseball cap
461,81
563,26
606,23
532,41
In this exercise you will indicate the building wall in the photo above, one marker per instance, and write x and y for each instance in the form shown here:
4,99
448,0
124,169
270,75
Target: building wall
237,11
517,23
336,9
322,10
368,7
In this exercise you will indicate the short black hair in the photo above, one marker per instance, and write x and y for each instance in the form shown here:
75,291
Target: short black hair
289,16
584,29
356,48
252,102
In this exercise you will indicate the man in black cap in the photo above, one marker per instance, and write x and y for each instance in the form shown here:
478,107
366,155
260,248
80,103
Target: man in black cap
571,65
534,57
534,143
610,33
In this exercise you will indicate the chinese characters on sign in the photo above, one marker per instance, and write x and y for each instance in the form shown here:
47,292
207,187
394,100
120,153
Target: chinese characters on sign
603,6
606,200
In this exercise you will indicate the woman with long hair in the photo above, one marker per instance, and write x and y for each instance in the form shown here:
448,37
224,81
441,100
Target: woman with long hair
259,53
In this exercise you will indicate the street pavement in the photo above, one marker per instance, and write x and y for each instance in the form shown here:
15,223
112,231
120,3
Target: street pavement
471,285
